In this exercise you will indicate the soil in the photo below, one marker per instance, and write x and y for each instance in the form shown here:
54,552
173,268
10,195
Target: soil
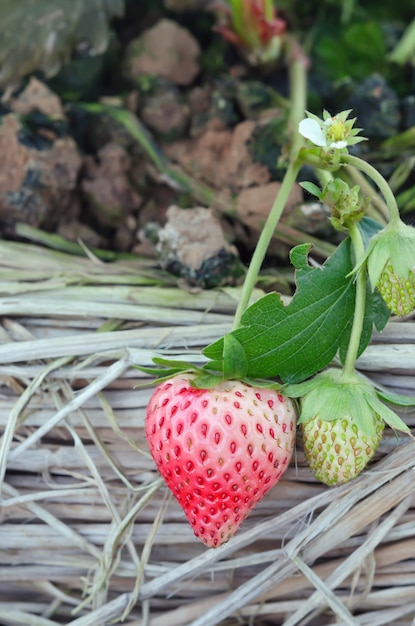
206,115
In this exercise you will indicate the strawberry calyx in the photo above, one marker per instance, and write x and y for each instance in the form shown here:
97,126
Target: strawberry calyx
331,395
342,421
232,366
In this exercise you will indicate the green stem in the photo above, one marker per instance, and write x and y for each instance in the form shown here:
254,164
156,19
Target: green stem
298,105
405,48
378,208
360,304
264,240
378,179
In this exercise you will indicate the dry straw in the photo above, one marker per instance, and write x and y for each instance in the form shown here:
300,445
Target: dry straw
88,534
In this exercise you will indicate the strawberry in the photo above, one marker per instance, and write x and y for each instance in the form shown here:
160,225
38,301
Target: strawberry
337,451
342,421
390,259
219,450
397,292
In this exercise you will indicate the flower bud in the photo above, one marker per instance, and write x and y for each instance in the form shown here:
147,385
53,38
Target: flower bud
254,27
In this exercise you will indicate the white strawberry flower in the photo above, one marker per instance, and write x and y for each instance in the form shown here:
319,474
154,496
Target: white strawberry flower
330,133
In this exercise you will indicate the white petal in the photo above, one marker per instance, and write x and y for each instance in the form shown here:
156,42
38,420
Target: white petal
338,144
311,130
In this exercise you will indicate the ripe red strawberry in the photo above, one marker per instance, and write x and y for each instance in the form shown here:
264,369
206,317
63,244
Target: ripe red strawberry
219,450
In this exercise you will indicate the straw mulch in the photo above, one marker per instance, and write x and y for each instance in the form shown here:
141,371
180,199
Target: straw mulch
89,535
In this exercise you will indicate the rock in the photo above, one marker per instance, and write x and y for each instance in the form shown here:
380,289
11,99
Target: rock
203,115
124,237
38,177
268,142
221,158
167,50
240,165
106,186
192,245
254,97
36,96
212,107
164,112
203,157
254,204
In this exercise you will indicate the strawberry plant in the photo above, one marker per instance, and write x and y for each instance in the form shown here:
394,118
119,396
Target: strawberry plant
222,434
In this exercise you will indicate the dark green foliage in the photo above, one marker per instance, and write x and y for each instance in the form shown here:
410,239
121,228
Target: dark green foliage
353,51
42,34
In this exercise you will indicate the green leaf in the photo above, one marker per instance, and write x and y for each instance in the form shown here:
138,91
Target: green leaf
42,34
235,363
298,340
354,51
311,188
298,256
380,311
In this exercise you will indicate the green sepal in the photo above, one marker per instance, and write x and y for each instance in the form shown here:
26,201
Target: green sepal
206,381
264,384
329,397
235,362
358,409
158,372
167,370
390,417
369,228
216,366
395,398
332,398
173,364
298,390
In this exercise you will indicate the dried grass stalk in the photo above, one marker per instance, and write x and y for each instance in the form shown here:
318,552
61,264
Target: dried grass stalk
88,534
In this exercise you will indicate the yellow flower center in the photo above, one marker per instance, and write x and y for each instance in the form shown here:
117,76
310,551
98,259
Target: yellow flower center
337,130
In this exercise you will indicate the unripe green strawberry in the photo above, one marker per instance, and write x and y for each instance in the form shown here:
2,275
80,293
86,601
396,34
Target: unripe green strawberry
397,292
337,451
219,450
390,260
342,420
